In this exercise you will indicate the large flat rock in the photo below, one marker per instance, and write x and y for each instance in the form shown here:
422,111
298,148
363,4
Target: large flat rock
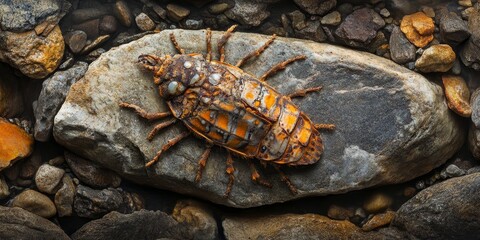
392,124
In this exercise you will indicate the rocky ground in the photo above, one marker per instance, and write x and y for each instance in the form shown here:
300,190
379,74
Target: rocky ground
399,81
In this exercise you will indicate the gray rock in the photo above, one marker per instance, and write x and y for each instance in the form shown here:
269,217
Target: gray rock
123,13
92,174
448,210
376,142
20,16
64,197
108,25
144,22
360,27
317,7
91,203
86,14
453,29
248,12
16,223
54,91
298,20
48,177
138,225
312,31
36,203
198,216
334,18
454,171
176,12
401,7
401,50
470,54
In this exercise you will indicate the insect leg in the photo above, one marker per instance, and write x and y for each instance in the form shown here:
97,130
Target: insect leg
290,185
320,126
144,114
209,45
202,162
230,170
175,43
221,43
256,52
256,177
281,66
303,92
168,145
160,126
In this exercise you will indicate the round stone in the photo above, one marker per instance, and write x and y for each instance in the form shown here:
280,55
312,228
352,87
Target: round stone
48,177
35,202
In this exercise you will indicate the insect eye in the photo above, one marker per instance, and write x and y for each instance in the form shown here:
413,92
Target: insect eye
263,149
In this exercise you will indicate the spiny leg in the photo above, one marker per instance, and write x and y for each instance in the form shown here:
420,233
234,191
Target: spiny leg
168,145
175,43
202,162
303,92
209,45
256,177
320,126
144,114
256,52
230,170
221,43
281,66
290,185
160,126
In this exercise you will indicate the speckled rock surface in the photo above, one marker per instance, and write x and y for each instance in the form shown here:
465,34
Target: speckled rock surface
375,143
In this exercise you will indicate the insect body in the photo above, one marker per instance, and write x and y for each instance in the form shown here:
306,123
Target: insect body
230,108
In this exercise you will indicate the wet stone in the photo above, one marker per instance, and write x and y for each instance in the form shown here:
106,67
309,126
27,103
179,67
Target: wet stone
316,7
36,203
454,171
334,18
90,173
144,22
453,29
401,50
15,143
48,178
30,166
193,24
474,132
64,197
437,58
248,13
457,94
176,12
360,28
418,28
76,40
123,13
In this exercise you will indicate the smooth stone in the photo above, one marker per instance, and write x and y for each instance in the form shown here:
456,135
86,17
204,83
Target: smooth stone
76,40
418,28
316,7
248,13
447,210
377,203
360,27
218,8
334,18
11,100
385,150
401,50
64,197
91,28
51,98
4,190
48,177
108,25
86,14
123,13
437,58
144,22
36,203
176,12
35,56
15,143
379,220
16,223
198,216
465,3
457,95
90,173
453,29
142,224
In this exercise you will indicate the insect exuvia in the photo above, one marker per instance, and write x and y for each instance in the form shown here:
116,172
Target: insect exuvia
227,107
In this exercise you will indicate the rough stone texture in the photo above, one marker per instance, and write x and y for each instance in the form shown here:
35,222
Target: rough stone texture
334,18
138,225
48,177
144,22
15,143
90,173
91,203
11,101
312,31
453,29
360,27
16,223
54,91
448,210
198,216
35,56
292,226
418,28
401,50
35,202
474,132
375,142
470,54
457,94
248,12
317,7
437,58
64,197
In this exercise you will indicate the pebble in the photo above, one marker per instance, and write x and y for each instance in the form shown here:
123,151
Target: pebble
316,7
465,3
91,28
144,22
437,58
56,161
64,197
428,11
345,8
360,27
93,55
453,171
453,29
90,173
48,178
218,8
85,14
457,94
418,28
198,216
15,143
312,31
467,12
384,12
193,24
4,190
334,18
377,202
298,20
98,41
339,213
401,50
457,67
36,203
123,13
76,40
176,12
379,220
248,13
108,25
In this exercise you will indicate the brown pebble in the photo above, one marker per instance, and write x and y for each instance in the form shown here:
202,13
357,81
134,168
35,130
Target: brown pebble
218,8
144,22
176,12
95,43
457,95
437,58
85,14
339,213
379,220
377,203
409,192
36,203
108,25
76,40
123,13
91,28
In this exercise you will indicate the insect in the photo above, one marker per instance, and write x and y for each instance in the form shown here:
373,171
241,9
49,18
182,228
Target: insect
227,107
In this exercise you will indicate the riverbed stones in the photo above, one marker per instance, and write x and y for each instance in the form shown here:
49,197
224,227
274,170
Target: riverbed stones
36,203
90,173
470,54
401,50
474,132
15,143
453,29
316,7
375,142
457,95
360,27
437,58
418,28
248,12
48,178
